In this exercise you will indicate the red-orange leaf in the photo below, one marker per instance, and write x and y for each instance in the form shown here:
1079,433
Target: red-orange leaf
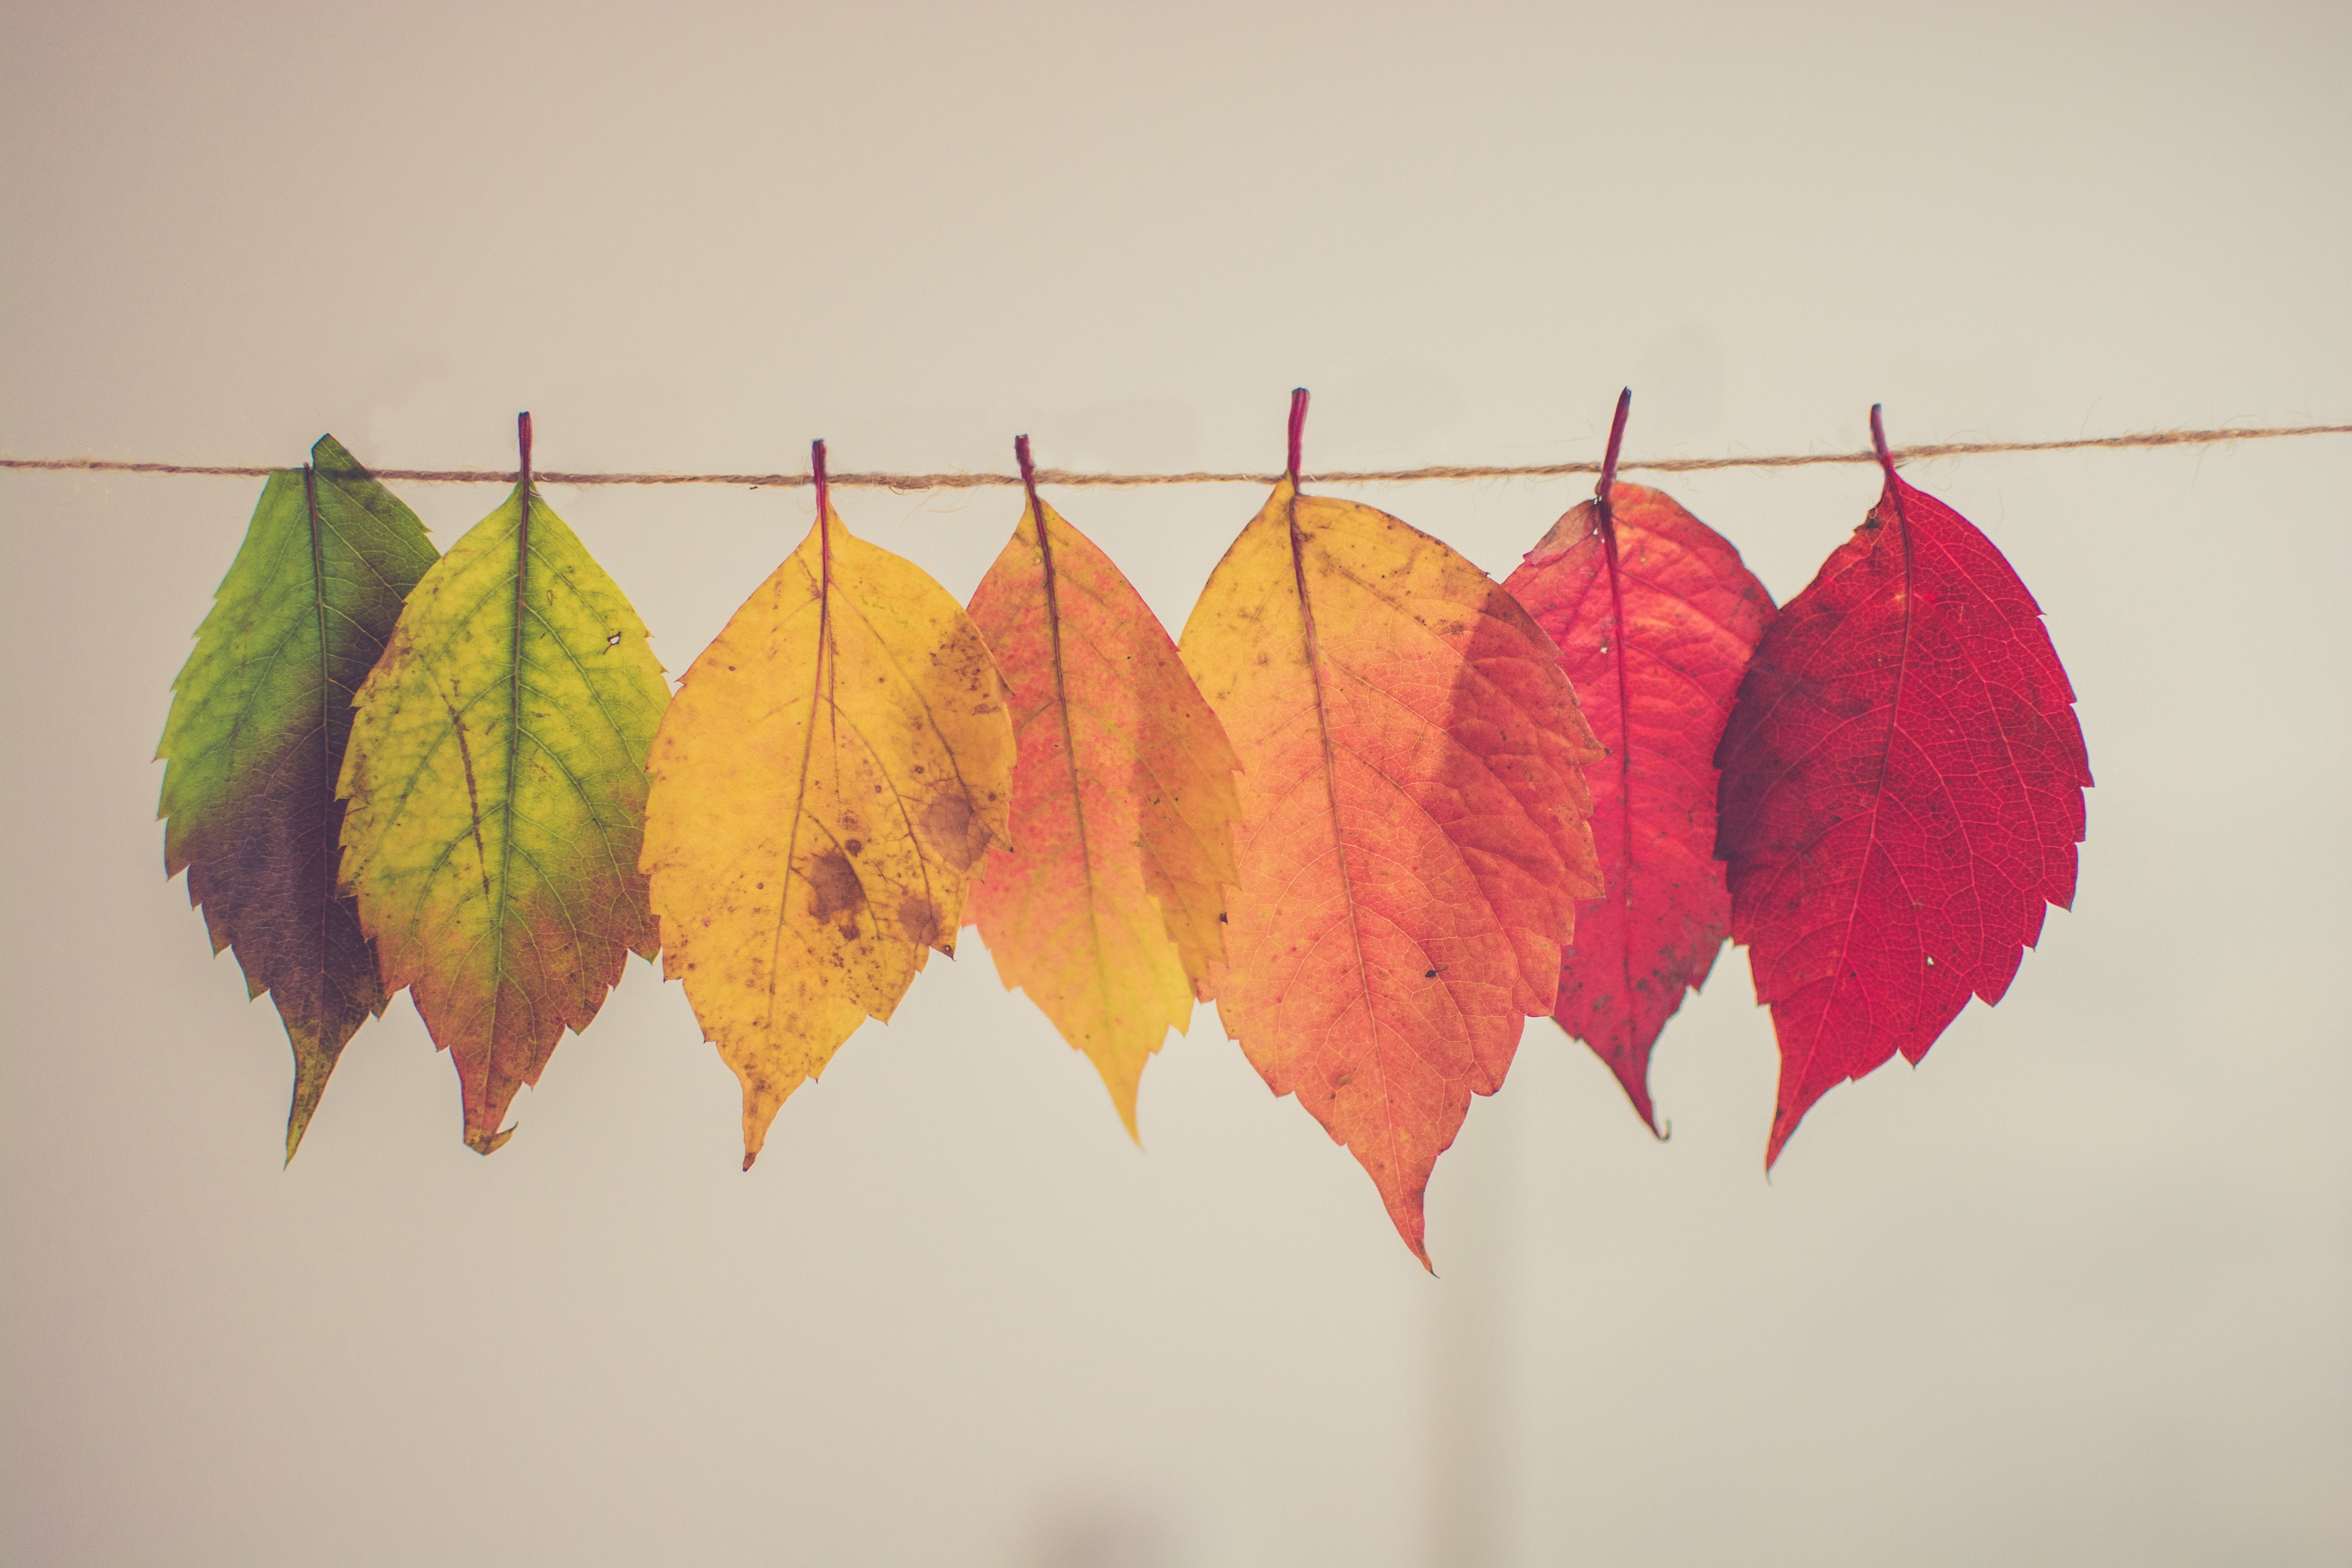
1655,617
1413,837
1108,910
1903,784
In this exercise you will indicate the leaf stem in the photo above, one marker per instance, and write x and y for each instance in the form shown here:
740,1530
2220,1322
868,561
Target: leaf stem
1028,472
1878,442
824,570
1297,427
1609,461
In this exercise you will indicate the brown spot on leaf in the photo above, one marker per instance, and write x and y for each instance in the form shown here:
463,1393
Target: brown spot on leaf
835,891
954,830
920,920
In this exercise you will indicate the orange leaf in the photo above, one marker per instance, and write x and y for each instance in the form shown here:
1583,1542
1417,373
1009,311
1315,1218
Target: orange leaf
1413,822
1108,910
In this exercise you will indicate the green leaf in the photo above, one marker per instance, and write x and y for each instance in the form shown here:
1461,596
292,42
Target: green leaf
496,784
255,743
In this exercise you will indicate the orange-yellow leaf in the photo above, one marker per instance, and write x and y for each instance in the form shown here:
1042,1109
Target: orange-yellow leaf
1108,909
1413,837
831,771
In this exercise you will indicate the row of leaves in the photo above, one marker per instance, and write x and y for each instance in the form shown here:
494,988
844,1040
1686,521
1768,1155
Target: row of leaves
1360,804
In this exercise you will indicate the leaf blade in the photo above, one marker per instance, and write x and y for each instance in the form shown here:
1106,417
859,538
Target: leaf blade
1107,911
1655,628
1413,834
1904,716
507,722
259,722
849,677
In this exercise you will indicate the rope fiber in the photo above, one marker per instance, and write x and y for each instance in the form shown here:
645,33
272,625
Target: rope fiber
961,481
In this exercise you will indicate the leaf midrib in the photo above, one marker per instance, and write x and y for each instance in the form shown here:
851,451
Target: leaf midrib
1339,836
1070,762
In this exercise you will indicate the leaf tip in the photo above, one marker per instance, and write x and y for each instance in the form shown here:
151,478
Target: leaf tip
1634,1078
759,1107
484,1142
311,1067
1408,1212
298,1122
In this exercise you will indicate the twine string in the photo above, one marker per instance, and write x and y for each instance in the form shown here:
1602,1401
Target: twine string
909,483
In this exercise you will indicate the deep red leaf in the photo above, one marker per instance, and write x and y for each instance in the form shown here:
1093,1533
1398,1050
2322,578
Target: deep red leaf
1655,617
1903,784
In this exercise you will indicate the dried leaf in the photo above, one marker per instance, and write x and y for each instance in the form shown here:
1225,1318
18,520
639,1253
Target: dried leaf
834,766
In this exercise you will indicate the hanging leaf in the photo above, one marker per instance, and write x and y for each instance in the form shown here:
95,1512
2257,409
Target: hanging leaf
497,787
1413,837
254,741
1109,911
1655,617
1903,784
834,766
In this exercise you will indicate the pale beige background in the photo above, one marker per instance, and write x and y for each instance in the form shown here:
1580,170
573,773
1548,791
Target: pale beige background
2076,1291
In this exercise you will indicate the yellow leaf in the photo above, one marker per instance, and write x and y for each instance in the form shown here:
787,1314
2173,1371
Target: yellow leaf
831,771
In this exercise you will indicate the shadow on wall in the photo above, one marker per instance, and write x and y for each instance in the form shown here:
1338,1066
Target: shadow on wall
1102,1533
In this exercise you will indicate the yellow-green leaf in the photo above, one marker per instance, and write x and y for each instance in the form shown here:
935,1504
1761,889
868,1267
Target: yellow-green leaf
496,790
